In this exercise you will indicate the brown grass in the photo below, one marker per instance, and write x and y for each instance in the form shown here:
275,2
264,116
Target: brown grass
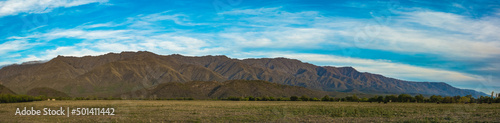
261,111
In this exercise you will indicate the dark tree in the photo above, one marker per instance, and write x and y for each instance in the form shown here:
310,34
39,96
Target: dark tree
391,98
419,98
435,98
405,98
325,98
304,98
380,99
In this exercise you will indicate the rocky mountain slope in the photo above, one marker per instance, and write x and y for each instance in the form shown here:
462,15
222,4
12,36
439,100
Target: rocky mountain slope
114,73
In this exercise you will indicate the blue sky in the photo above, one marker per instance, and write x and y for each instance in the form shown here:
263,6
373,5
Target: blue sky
452,41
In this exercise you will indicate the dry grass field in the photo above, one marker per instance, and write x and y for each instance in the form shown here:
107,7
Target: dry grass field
260,111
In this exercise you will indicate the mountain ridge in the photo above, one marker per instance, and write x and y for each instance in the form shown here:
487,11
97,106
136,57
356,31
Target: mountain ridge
116,73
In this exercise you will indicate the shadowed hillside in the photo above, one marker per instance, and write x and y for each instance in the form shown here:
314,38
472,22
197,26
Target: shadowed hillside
5,90
113,74
232,88
48,92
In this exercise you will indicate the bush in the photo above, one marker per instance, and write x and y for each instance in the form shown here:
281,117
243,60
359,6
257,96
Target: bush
265,98
272,99
313,99
405,98
435,98
391,98
234,98
304,98
325,98
294,98
251,98
282,99
258,99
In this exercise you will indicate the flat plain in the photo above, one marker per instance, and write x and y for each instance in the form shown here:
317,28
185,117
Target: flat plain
258,111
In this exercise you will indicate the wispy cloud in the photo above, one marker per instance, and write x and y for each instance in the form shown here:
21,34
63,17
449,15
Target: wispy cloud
483,29
180,19
15,45
14,7
406,40
280,38
271,17
444,34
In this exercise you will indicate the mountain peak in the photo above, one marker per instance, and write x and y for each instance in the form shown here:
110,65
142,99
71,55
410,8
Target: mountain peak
348,68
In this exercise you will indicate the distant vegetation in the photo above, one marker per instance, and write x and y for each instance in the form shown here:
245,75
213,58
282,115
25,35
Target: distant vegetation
234,90
405,98
10,98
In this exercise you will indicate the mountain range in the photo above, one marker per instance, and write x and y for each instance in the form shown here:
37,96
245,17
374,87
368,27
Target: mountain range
129,72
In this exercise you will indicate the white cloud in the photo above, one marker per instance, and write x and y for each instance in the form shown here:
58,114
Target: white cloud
260,11
3,64
444,34
404,40
486,28
64,51
90,35
280,38
273,16
100,25
322,31
71,51
31,58
180,19
15,45
14,7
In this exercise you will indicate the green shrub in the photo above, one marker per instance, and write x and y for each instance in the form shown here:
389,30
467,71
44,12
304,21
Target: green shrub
313,99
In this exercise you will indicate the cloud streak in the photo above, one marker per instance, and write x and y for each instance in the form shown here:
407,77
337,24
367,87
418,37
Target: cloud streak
14,7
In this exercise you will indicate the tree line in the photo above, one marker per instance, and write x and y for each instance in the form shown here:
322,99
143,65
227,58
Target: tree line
387,98
9,98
